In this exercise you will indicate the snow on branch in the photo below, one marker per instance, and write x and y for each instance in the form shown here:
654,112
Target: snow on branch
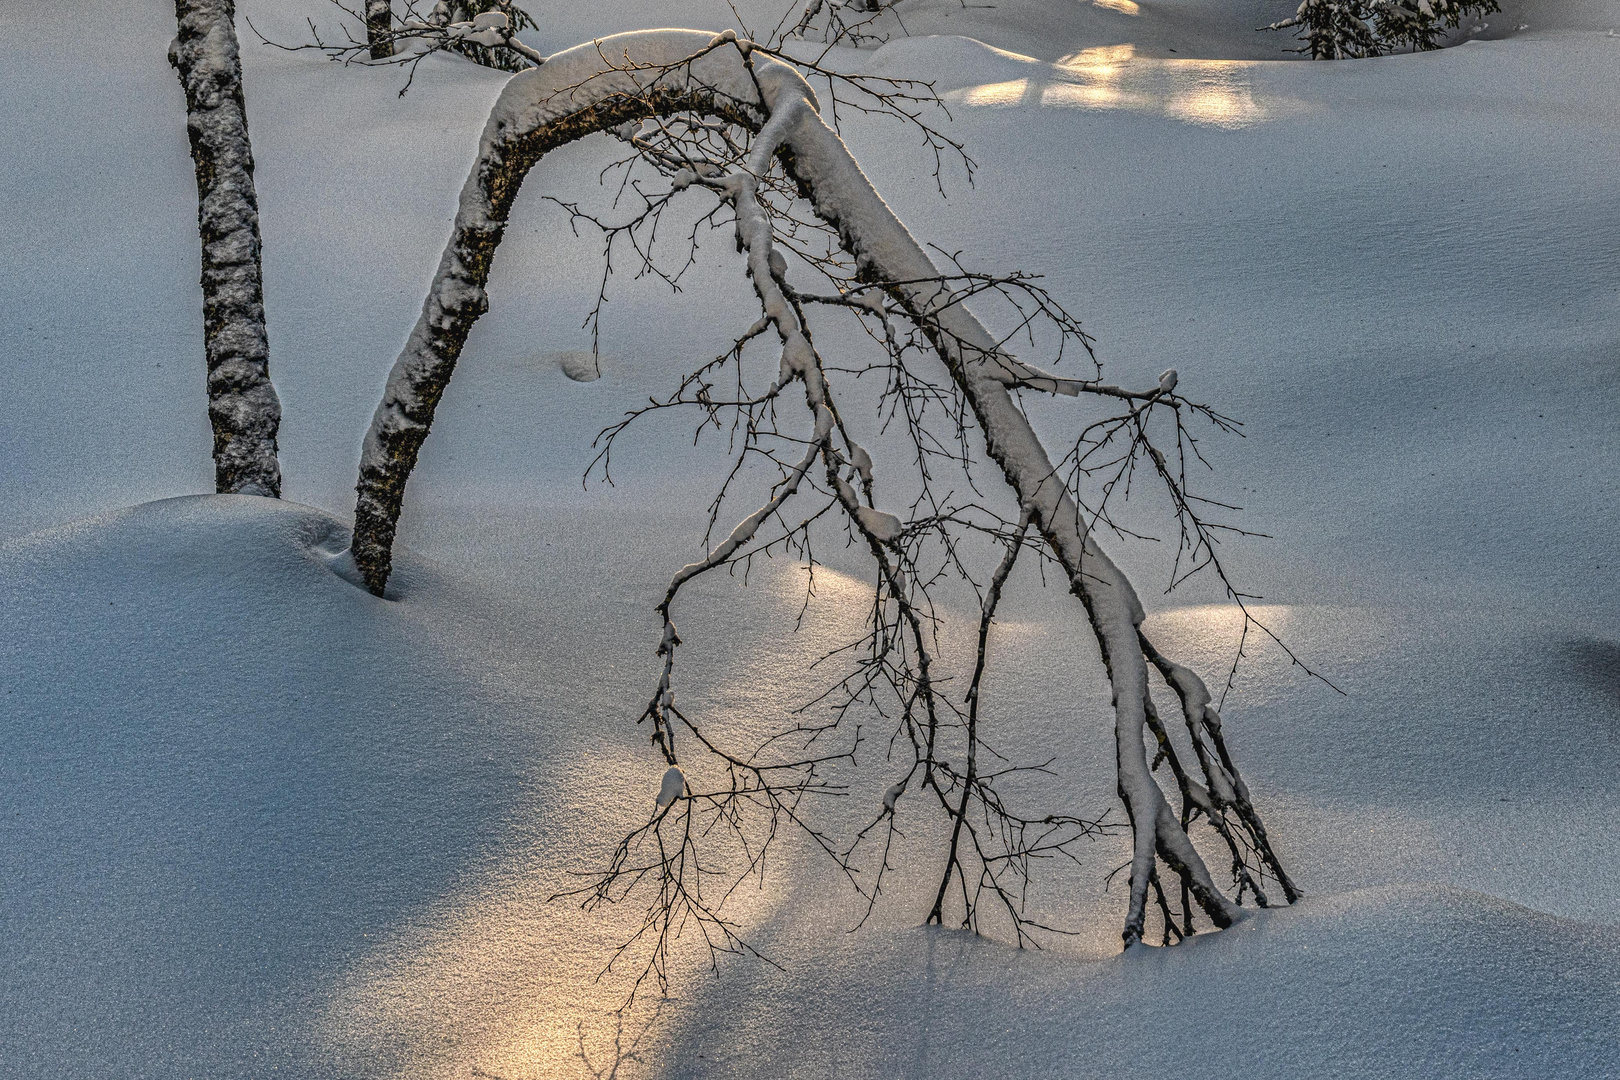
483,31
722,119
840,22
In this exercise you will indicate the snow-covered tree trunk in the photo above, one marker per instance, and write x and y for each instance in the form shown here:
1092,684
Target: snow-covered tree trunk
520,131
603,85
379,21
242,404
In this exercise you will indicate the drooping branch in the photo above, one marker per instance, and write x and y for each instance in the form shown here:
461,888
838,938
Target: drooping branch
630,77
885,252
483,31
242,404
1224,793
987,613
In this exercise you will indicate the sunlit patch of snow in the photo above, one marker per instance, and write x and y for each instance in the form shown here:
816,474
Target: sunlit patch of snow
1223,620
498,978
1217,103
1100,96
828,584
1102,59
1214,93
1209,637
493,978
1010,92
1124,7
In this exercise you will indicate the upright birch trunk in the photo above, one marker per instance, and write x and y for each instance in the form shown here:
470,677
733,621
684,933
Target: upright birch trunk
242,405
379,20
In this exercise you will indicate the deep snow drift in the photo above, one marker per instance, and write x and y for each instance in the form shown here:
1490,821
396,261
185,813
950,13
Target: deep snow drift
257,820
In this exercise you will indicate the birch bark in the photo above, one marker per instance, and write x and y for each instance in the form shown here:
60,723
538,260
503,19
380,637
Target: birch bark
242,404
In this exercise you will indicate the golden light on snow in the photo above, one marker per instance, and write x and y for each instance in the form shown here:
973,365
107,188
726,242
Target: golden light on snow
1215,93
1327,638
1221,621
1101,96
1205,637
1222,96
1221,108
1099,73
1104,58
829,584
496,979
491,978
996,94
1124,7
476,991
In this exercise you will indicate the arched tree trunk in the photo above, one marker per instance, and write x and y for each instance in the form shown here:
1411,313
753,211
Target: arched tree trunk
242,404
521,130
601,85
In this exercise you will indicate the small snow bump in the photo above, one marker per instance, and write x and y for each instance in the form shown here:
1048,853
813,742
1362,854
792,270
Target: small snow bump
670,790
884,528
580,365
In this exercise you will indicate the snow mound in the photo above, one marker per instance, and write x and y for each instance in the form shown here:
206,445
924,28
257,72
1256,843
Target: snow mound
1411,980
259,541
948,61
578,364
221,766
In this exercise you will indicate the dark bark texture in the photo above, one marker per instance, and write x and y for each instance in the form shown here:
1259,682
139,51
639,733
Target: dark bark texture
242,404
379,21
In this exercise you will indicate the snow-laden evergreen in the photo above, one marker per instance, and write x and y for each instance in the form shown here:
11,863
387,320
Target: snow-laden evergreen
1357,29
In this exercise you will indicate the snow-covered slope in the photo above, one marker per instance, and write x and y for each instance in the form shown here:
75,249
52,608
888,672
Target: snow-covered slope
1401,981
257,820
227,774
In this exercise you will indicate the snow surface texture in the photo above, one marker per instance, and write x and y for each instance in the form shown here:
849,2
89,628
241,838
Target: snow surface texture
257,819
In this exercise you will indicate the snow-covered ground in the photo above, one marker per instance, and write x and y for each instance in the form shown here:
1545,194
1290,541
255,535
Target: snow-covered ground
258,821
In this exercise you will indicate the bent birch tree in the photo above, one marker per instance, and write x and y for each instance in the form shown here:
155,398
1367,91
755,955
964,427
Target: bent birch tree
724,115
